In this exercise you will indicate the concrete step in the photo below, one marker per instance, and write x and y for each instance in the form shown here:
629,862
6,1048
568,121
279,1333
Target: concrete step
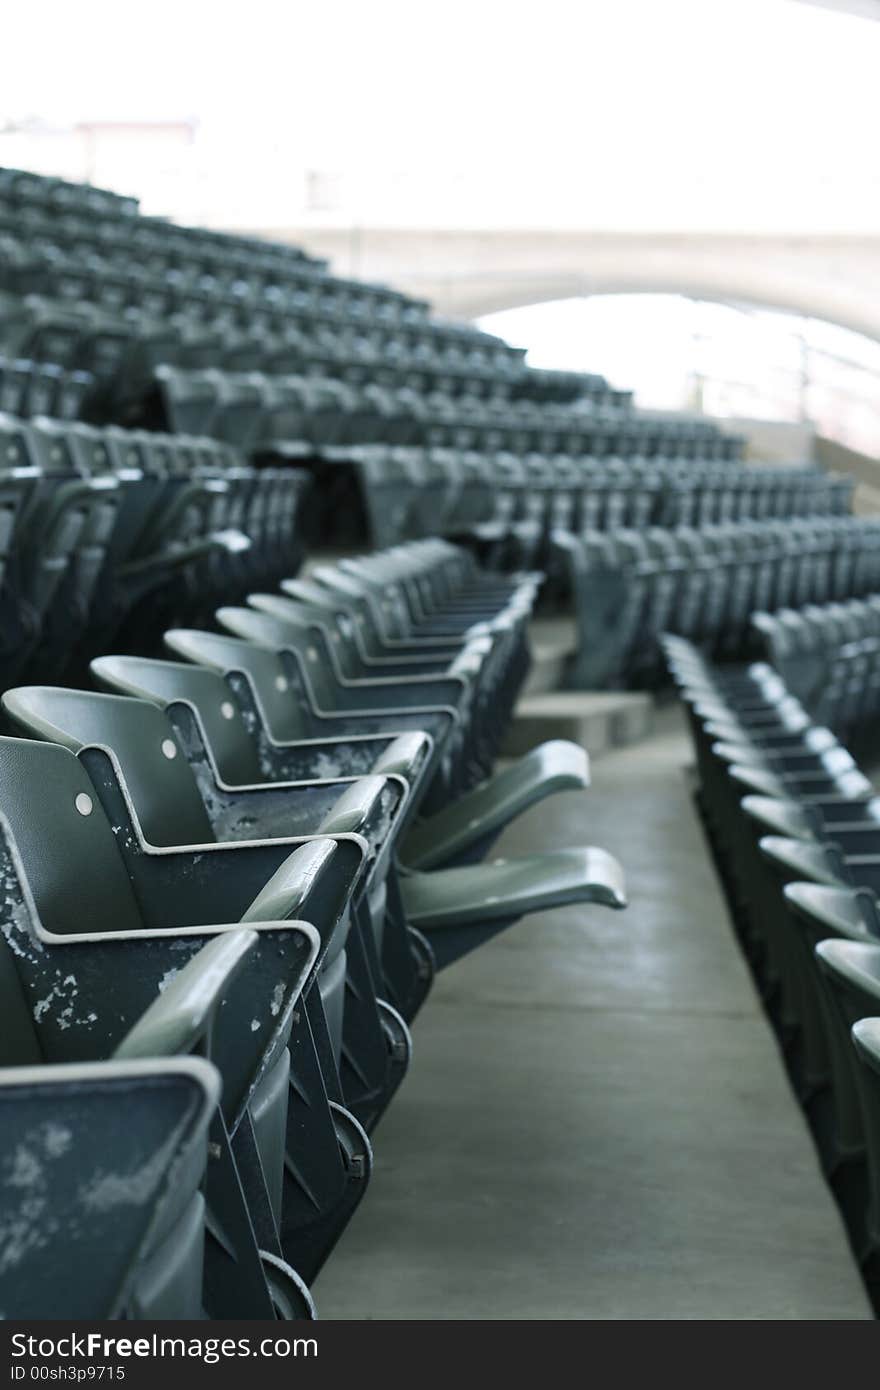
598,720
551,642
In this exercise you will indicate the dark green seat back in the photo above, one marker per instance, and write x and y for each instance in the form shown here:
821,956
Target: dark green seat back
160,781
283,635
166,682
67,848
282,713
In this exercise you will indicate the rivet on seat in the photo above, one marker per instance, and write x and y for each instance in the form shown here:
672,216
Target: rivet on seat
227,710
83,803
280,682
312,653
169,748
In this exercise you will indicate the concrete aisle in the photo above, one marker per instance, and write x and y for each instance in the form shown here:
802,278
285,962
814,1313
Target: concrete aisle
597,1124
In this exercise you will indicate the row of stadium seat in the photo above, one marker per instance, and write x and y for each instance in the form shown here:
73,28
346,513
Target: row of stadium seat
322,411
110,534
119,295
510,504
25,189
58,201
796,831
42,388
565,388
90,333
195,401
829,657
63,217
308,787
630,587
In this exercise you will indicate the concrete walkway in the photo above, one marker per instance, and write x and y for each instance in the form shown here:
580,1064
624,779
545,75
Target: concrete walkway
597,1124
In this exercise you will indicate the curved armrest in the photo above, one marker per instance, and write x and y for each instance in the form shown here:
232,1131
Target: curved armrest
551,767
407,755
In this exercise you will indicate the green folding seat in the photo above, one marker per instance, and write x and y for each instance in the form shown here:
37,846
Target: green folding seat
15,378
104,584
372,618
168,540
275,705
851,972
381,602
349,606
866,1040
19,482
422,596
83,991
37,328
102,1220
300,1159
349,665
452,905
401,604
238,415
442,582
189,399
480,669
43,385
285,427
332,691
464,829
199,344
307,651
62,533
241,751
370,1043
227,564
461,908
232,717
824,914
284,542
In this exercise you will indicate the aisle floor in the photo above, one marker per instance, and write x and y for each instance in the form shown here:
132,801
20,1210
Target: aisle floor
597,1123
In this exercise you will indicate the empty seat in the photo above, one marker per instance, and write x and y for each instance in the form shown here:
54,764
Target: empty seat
103,1220
148,911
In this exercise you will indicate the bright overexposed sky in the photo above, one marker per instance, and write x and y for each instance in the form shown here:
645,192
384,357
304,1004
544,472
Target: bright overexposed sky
607,115
598,113
678,353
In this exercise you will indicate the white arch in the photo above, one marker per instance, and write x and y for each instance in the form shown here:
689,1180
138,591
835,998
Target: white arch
469,273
